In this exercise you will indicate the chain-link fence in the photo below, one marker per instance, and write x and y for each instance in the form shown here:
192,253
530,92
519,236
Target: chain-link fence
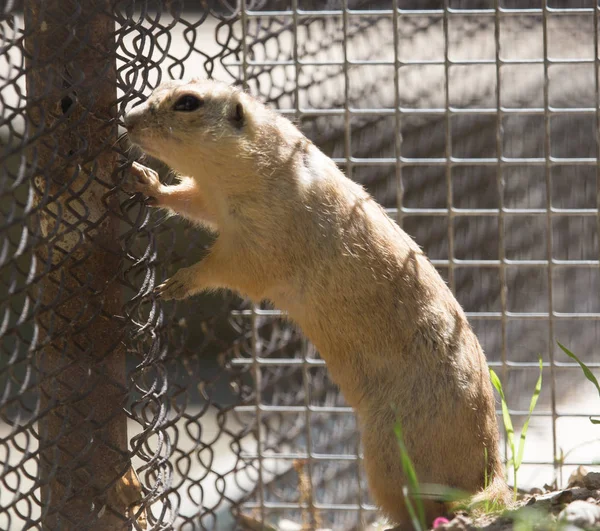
475,122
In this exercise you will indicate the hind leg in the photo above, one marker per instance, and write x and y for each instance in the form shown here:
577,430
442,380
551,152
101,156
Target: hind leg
432,511
396,511
383,466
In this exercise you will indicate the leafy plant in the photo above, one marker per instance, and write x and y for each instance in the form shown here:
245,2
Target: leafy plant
586,371
410,491
486,480
516,454
478,505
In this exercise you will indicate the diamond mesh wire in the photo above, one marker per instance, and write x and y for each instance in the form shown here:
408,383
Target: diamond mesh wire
475,123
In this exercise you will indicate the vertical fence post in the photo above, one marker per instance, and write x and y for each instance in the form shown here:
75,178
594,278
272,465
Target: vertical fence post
80,360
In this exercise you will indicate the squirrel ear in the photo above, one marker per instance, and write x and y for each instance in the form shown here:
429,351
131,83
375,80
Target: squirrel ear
238,117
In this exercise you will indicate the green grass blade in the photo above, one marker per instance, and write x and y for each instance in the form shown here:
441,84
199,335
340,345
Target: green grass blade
442,493
594,421
411,511
485,471
532,404
417,516
588,373
510,432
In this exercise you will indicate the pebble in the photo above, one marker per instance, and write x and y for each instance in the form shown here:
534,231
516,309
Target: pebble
566,496
458,523
288,525
577,477
555,498
591,480
581,514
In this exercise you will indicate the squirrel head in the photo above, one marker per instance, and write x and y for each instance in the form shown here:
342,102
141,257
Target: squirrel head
197,126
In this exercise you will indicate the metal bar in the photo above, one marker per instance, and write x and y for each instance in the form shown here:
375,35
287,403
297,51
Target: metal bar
318,506
288,456
388,111
494,212
349,411
469,162
549,242
254,325
398,119
448,150
309,496
597,88
349,164
400,63
81,361
505,12
500,187
283,362
474,315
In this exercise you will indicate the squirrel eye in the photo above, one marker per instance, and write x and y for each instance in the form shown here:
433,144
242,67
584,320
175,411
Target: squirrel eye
188,103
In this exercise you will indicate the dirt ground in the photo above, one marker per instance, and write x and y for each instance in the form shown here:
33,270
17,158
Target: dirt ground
575,508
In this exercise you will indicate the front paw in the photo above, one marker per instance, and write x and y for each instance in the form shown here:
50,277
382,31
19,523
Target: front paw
145,181
179,286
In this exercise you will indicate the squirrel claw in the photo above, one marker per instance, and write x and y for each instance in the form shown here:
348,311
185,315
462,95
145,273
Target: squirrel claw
145,181
171,289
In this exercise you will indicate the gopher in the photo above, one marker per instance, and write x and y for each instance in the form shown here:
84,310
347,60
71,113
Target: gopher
293,229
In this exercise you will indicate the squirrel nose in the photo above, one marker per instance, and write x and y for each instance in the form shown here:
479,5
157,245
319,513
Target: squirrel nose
134,115
130,119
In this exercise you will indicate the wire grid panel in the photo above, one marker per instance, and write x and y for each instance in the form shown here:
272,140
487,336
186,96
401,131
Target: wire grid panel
475,124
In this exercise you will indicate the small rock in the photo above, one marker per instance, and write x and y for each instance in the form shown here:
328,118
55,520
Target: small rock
547,496
577,477
458,523
566,496
580,513
543,501
591,481
535,491
288,525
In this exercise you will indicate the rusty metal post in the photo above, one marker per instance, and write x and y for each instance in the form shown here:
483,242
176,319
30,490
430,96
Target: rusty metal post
80,360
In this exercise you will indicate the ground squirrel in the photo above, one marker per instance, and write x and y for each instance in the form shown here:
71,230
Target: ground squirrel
294,230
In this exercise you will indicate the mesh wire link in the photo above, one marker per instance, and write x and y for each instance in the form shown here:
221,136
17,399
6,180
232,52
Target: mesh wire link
475,123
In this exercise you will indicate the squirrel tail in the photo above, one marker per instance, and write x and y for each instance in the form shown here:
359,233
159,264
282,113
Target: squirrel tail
496,495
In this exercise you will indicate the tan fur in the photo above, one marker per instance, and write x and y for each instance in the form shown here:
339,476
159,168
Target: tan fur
294,230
